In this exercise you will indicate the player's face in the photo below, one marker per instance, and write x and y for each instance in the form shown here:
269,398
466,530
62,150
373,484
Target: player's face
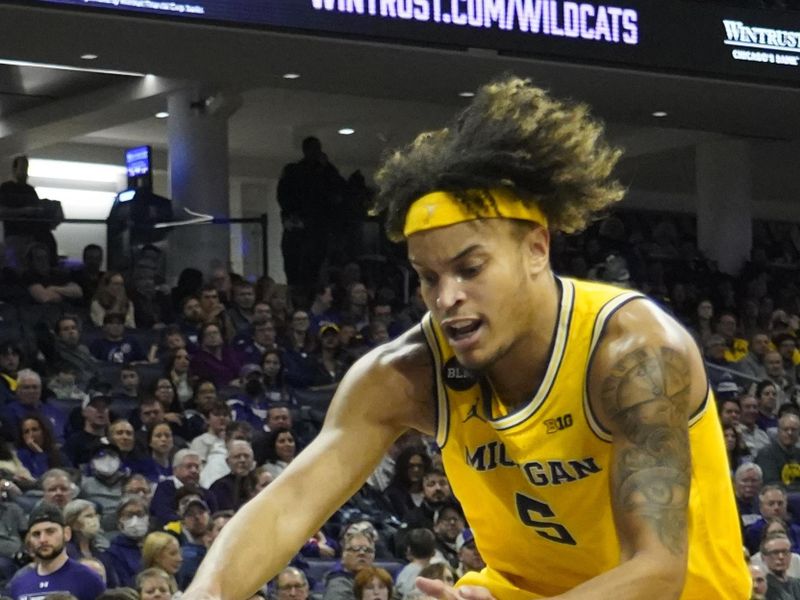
476,279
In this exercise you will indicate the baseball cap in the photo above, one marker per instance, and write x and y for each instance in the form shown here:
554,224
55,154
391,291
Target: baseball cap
250,369
727,388
189,501
464,538
46,513
327,326
93,399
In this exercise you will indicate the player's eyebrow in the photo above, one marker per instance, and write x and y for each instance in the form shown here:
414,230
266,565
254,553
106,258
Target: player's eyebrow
465,252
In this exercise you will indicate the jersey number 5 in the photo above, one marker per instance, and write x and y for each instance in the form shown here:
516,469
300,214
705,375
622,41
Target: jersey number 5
529,510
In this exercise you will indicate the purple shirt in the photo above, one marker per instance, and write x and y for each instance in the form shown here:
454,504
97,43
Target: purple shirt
72,578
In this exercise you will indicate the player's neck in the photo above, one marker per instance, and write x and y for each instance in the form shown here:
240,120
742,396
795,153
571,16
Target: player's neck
517,375
47,567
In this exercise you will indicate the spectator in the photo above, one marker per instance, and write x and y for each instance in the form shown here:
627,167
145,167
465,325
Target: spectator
220,280
753,362
215,360
164,391
88,275
441,571
213,307
759,577
436,493
53,569
773,363
777,527
68,349
162,449
87,540
103,485
129,381
191,319
321,304
754,437
12,529
728,407
116,346
63,385
190,281
292,584
58,488
404,492
767,396
237,487
326,364
469,557
132,454
735,347
747,481
276,388
308,190
772,502
153,307
29,402
251,401
373,583
36,447
786,345
137,485
124,556
111,297
96,416
780,461
155,584
777,552
46,284
195,519
177,370
217,419
358,554
281,450
241,311
252,345
171,340
10,356
162,550
737,450
421,549
448,523
185,471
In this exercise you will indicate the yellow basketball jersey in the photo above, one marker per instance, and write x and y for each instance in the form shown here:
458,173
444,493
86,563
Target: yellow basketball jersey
534,483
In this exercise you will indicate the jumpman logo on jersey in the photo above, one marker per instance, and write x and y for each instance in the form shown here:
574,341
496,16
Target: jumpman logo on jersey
473,413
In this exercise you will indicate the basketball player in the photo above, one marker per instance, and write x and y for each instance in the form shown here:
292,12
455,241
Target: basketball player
575,419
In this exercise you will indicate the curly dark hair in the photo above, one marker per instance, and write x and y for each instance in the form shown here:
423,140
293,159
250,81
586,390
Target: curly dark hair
513,135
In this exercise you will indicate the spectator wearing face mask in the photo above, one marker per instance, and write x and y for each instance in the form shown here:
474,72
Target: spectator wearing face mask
104,484
87,536
124,557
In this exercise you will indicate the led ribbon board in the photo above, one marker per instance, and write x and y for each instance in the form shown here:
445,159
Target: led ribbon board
679,36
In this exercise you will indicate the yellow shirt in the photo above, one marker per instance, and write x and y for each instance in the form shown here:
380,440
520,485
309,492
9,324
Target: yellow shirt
534,482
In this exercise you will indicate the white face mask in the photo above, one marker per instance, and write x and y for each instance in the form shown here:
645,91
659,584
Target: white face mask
90,526
106,465
135,527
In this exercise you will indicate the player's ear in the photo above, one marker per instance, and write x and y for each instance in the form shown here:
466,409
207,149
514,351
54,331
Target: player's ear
536,246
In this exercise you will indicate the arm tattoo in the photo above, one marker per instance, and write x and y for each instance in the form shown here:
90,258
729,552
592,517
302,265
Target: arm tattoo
647,397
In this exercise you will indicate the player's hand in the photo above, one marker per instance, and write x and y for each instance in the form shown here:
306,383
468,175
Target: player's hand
441,591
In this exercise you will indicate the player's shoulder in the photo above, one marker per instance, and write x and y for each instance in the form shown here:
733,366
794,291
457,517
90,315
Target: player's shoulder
398,372
641,321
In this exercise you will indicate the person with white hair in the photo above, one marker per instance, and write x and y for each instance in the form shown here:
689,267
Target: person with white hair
186,465
29,402
87,535
747,482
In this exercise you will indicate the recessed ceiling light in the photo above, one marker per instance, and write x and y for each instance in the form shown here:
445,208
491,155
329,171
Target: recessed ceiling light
89,56
291,75
162,115
467,94
346,131
659,114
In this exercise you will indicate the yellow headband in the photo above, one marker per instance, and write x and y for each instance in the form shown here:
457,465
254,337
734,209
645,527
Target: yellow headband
440,209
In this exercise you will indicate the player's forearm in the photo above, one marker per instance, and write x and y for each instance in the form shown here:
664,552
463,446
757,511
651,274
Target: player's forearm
641,578
262,548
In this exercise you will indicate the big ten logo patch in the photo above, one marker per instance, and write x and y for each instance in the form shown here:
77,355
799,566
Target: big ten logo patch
456,377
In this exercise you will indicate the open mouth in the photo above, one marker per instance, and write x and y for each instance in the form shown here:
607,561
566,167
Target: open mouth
461,330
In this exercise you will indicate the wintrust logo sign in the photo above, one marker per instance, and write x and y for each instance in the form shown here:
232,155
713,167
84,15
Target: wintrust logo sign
762,44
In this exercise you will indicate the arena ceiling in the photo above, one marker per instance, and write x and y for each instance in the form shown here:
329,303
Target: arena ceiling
385,92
